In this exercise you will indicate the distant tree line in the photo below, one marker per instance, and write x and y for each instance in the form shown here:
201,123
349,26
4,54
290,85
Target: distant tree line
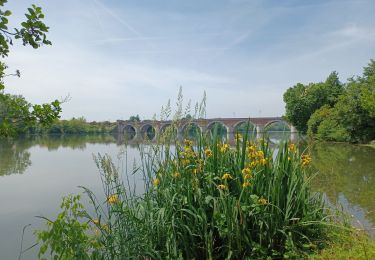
134,118
76,126
335,111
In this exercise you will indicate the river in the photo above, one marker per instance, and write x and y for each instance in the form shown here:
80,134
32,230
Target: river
36,172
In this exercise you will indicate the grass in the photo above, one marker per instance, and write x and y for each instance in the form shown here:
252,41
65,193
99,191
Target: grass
350,244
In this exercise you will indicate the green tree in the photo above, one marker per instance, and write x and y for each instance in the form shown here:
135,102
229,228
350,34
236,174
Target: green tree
325,124
356,112
368,89
352,118
301,101
135,118
16,114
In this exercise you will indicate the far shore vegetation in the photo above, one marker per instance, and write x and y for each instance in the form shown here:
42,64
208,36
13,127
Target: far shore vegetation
335,111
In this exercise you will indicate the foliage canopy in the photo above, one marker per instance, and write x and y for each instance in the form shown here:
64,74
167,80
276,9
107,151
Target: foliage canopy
334,111
16,114
303,100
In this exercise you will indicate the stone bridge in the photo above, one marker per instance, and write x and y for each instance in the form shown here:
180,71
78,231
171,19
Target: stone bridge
230,125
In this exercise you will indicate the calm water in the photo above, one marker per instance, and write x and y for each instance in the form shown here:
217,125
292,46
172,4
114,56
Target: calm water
36,173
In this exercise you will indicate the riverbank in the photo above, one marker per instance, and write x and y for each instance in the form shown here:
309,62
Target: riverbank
371,144
347,245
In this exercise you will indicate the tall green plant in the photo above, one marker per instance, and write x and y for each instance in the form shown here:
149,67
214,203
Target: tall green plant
206,200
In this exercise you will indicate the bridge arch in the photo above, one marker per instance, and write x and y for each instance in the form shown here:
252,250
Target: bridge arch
190,129
241,126
283,125
148,131
130,132
277,131
168,127
222,128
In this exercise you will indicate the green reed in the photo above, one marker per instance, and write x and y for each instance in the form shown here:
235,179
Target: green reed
202,200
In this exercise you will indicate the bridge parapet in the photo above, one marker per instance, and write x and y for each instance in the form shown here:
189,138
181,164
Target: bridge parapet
204,125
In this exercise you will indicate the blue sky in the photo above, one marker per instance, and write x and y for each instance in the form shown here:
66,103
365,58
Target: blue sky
117,58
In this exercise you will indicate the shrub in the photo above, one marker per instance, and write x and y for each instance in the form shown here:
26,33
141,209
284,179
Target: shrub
66,237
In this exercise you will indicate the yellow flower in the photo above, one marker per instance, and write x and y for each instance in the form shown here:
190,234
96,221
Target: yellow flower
306,159
262,161
224,148
262,201
253,164
246,171
260,154
226,176
208,153
248,176
113,199
288,158
222,187
185,162
246,184
199,166
95,221
156,182
176,174
292,147
188,142
251,148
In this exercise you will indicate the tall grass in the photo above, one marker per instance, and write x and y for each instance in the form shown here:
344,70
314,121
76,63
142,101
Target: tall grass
202,200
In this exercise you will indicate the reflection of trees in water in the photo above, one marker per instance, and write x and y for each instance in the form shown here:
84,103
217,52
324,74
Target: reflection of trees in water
71,141
276,137
15,157
347,170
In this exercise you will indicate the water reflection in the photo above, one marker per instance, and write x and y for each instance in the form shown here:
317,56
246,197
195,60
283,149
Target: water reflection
276,137
14,157
346,174
15,154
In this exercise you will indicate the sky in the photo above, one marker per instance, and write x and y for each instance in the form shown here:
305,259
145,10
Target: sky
117,58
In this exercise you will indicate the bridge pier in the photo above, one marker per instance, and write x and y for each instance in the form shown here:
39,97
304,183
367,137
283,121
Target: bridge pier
260,131
231,133
293,134
202,128
157,132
